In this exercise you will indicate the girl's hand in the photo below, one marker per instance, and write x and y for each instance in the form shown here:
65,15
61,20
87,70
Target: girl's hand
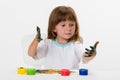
38,36
92,51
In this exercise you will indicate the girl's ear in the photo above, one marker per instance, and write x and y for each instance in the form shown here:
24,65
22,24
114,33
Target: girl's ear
54,30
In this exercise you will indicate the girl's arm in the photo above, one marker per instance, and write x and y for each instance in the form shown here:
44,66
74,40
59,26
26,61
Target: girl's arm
32,50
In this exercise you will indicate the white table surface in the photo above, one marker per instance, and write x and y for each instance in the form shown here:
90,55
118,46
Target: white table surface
94,74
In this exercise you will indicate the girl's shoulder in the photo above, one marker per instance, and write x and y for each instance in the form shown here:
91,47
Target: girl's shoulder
78,46
77,43
48,41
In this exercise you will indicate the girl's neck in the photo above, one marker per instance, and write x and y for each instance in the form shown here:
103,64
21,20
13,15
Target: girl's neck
62,41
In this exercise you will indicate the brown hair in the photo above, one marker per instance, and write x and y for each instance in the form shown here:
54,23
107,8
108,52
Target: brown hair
62,13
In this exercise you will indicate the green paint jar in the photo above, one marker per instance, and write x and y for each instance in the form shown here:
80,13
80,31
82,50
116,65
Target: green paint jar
31,71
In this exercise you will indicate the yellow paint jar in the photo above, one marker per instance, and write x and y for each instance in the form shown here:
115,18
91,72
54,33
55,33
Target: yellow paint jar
21,70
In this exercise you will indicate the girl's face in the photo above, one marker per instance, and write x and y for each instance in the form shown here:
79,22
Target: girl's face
65,30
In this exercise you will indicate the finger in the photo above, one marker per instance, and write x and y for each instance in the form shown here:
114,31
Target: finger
87,49
92,48
91,52
95,45
87,54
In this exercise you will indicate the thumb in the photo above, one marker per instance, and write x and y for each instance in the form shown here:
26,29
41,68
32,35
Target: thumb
38,29
95,45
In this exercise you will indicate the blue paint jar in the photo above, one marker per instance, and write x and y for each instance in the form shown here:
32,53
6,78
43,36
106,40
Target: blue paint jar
83,71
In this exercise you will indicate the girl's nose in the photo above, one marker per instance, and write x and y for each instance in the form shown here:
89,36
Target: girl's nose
68,27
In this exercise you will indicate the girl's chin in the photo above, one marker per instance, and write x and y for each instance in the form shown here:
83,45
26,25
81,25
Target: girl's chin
67,38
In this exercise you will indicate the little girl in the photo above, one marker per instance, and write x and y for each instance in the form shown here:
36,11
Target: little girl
63,46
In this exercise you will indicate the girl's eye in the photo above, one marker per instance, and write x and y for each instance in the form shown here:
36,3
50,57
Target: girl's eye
63,25
71,25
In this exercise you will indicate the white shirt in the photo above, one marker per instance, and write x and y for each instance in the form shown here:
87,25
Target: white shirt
60,56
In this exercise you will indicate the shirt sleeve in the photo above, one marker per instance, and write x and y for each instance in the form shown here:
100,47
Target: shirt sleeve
42,49
80,49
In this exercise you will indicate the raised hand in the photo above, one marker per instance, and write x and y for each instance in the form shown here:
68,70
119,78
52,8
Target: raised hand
90,52
38,36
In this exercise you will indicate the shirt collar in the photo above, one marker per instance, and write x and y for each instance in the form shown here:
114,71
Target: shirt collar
61,45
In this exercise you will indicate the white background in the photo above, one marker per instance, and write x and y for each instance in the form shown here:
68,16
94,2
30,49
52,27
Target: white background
98,19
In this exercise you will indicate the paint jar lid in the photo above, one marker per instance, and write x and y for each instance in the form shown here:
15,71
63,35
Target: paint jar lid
83,71
31,71
21,70
65,72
